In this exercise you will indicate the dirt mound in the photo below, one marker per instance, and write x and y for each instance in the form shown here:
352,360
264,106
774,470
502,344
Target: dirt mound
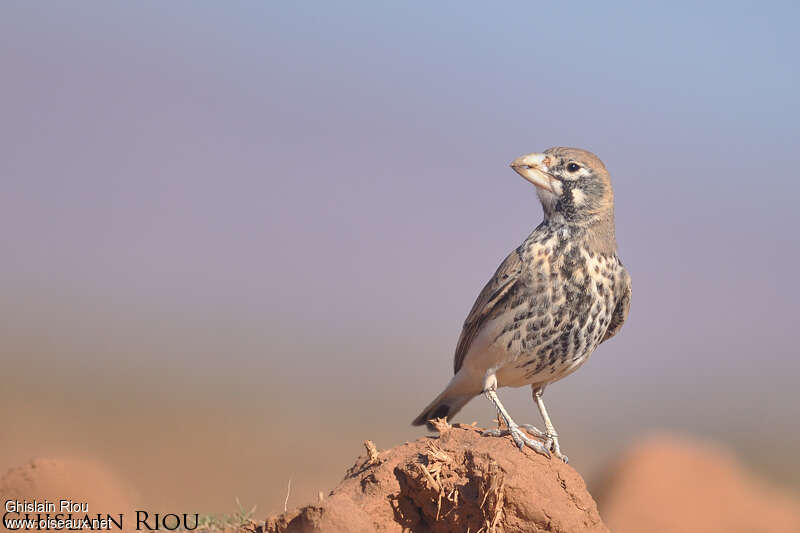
78,480
672,485
458,481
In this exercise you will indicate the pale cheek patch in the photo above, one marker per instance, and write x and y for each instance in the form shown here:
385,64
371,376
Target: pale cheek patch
578,197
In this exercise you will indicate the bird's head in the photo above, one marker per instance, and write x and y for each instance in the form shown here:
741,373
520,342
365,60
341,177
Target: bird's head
573,184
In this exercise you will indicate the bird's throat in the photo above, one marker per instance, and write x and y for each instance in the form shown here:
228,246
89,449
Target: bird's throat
597,234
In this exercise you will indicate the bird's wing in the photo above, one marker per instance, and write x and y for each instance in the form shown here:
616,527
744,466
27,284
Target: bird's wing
493,293
621,309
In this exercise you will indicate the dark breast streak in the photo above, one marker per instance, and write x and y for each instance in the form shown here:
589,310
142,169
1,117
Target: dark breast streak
562,306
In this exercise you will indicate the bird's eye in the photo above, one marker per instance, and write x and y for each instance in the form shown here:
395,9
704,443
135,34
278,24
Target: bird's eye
573,167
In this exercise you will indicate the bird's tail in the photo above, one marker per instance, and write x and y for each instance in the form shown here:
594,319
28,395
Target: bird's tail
446,405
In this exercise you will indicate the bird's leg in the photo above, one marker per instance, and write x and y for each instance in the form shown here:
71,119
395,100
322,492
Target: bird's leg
549,427
520,438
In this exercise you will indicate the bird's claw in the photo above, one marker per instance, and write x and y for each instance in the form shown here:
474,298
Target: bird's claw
533,430
555,448
520,439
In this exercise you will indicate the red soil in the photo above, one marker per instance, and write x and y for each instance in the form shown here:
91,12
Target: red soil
458,481
671,485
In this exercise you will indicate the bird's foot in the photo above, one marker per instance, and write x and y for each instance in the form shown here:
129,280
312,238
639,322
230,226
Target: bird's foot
530,428
521,439
536,432
554,447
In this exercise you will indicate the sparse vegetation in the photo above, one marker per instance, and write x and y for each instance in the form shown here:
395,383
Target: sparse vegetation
239,520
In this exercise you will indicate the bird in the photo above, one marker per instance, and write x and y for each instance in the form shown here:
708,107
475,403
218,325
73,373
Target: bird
551,302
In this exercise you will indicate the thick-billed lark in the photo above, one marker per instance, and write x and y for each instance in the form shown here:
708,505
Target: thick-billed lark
553,300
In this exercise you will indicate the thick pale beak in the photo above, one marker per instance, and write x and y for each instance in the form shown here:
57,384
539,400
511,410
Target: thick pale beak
533,167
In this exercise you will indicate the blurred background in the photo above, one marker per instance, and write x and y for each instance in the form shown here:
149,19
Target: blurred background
240,238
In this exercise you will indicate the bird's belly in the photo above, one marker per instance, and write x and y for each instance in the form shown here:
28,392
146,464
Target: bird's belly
548,328
528,369
516,365
545,350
